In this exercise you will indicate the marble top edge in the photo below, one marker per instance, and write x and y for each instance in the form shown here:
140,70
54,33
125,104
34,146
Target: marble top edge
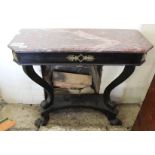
80,40
77,51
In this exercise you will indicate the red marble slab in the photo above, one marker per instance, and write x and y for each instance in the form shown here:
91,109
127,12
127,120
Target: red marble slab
80,40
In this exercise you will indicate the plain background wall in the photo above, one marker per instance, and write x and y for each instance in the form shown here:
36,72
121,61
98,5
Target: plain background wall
15,87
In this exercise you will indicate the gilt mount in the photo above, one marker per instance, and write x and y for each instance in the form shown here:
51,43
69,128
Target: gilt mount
80,58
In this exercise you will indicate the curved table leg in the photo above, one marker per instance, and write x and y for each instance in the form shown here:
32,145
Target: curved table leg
49,89
49,92
128,70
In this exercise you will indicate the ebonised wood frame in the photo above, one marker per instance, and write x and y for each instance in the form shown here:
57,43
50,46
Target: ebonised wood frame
103,102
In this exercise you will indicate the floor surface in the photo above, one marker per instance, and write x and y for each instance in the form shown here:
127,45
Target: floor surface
68,120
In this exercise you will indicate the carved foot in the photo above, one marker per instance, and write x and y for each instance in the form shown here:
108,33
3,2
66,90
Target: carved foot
41,121
115,121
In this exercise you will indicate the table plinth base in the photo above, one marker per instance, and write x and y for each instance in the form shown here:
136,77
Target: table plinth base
93,101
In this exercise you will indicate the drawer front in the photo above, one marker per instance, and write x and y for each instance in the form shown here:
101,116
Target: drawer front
79,58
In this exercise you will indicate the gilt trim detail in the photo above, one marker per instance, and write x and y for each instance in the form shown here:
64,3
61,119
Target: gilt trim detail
80,58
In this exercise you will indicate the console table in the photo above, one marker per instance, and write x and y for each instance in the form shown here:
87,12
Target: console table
86,47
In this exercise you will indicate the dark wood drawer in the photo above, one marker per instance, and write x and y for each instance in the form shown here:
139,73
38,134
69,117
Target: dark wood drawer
28,58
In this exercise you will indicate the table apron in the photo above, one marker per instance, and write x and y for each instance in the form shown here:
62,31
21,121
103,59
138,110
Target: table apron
76,58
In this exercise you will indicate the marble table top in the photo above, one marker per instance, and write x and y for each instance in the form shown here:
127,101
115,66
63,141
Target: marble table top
80,40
